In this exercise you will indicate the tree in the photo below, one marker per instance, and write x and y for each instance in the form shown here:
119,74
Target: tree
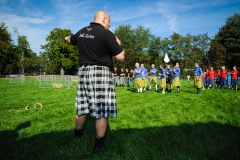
59,52
7,57
228,41
23,49
136,43
188,49
216,55
31,63
155,48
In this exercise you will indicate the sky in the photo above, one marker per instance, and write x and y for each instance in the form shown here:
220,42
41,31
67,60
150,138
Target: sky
35,19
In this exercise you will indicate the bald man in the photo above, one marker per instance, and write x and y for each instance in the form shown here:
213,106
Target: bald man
95,92
138,78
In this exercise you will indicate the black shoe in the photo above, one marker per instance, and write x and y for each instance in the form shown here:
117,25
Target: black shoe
99,143
78,133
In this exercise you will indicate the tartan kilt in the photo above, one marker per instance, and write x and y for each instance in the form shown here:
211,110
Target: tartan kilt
163,83
144,82
95,92
176,81
137,82
153,80
198,83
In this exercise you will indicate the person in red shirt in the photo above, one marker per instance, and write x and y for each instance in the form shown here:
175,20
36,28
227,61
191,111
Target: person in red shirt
223,77
234,74
211,73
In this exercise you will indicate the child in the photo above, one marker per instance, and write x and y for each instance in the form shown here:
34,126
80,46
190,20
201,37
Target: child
229,78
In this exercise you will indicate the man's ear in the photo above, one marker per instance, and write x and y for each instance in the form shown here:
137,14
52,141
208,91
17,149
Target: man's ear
104,20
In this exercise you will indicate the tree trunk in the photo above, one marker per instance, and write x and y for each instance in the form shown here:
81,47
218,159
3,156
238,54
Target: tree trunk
61,71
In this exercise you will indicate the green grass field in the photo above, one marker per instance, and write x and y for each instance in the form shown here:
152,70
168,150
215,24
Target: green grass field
149,125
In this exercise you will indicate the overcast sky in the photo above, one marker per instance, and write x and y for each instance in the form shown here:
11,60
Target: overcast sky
36,18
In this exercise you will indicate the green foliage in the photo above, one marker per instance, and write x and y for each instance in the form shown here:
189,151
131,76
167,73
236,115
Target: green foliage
228,41
188,49
136,43
24,53
13,57
59,52
216,55
7,56
154,49
139,43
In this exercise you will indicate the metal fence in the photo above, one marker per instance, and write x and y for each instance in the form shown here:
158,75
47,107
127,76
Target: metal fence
16,78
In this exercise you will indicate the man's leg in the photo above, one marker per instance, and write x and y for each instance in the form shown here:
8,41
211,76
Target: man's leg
101,127
80,121
178,89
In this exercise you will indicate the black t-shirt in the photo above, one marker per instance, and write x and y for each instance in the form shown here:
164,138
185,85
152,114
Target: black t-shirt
131,75
96,45
122,73
116,73
126,74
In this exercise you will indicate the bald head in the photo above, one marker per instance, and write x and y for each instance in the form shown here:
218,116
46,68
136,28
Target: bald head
102,18
136,65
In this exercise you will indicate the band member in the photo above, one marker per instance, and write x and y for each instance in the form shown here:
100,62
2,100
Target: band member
169,77
144,76
138,78
176,75
162,75
153,77
198,78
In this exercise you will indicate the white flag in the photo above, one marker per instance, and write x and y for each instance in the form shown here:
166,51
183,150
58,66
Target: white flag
166,59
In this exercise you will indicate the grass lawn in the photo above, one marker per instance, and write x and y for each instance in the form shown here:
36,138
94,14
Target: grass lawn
149,125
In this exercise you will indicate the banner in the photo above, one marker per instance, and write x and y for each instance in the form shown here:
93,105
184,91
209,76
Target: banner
166,59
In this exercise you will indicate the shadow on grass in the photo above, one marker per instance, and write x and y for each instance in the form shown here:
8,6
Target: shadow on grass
132,89
197,141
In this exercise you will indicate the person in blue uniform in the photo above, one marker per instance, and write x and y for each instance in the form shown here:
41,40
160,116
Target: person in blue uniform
198,78
153,77
162,74
138,78
144,77
169,77
176,75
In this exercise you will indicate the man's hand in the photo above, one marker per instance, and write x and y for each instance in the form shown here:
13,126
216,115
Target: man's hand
67,39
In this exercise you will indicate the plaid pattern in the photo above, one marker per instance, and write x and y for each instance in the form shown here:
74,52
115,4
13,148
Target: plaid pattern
198,82
144,82
95,92
176,81
163,83
138,83
153,80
